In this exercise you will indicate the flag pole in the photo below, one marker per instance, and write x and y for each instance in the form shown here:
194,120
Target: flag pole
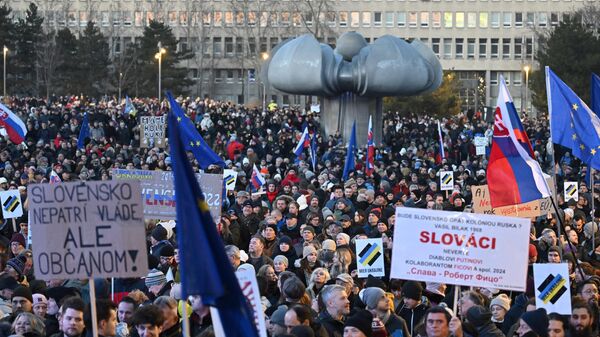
93,306
553,158
562,225
593,207
186,320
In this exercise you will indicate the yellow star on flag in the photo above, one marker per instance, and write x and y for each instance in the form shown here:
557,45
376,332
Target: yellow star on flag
191,143
582,146
593,151
202,205
575,106
574,136
179,119
198,143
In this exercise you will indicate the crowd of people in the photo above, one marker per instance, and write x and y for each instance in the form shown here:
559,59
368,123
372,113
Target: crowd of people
298,234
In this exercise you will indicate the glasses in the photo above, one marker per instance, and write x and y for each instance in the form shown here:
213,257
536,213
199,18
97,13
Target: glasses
590,292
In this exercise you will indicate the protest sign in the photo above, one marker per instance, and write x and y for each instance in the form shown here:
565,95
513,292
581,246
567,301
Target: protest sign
369,257
230,178
87,230
571,191
552,287
446,180
11,204
482,204
480,141
158,192
249,286
152,131
460,248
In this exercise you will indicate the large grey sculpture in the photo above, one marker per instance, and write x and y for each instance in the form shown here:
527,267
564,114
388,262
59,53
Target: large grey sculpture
354,77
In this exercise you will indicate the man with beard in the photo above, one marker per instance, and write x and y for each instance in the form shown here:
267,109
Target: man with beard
337,306
582,319
106,316
72,323
22,301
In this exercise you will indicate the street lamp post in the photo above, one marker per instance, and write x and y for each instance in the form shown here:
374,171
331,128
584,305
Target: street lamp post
120,83
264,56
5,51
158,56
526,68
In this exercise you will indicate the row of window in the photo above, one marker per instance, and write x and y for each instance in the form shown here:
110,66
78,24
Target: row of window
412,19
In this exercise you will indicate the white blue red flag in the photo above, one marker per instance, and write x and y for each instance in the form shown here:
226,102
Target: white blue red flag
15,128
54,178
257,179
442,153
514,176
313,152
303,142
370,150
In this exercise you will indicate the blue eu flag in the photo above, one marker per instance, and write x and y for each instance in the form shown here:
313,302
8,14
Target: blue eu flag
204,268
191,138
574,125
595,88
84,132
349,165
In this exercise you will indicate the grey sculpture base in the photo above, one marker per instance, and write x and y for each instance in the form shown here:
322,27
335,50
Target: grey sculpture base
338,113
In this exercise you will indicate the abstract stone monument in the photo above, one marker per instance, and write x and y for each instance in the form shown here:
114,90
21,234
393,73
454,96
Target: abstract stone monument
353,77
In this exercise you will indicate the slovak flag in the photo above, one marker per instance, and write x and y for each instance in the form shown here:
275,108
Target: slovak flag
370,150
303,142
514,176
15,128
54,178
257,179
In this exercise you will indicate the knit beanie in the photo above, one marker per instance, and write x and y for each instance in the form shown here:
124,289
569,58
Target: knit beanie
362,320
167,251
282,259
39,299
556,249
285,239
412,290
502,301
18,263
159,233
307,250
537,321
277,317
293,288
21,291
302,331
155,277
329,245
478,315
532,250
371,297
18,237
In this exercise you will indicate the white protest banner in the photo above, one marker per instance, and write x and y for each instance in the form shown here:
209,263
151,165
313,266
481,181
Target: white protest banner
11,204
446,180
249,286
158,192
460,248
480,141
369,257
87,230
152,131
571,190
552,287
482,205
230,178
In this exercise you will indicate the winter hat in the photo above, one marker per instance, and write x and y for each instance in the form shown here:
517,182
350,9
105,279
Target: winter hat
329,245
282,259
21,291
285,239
502,301
159,233
309,228
376,212
532,250
345,277
155,277
326,212
371,297
346,238
478,315
412,290
18,237
308,250
18,263
302,331
8,282
434,287
293,288
277,317
537,321
167,251
555,249
362,320
39,299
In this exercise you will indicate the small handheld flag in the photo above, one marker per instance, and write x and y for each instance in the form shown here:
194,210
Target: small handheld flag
15,128
303,142
370,167
349,165
442,153
84,132
257,179
129,107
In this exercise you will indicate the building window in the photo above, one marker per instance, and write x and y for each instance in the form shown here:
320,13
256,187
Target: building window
530,19
519,19
554,19
482,48
172,18
459,48
517,78
331,16
495,20
218,19
494,78
377,18
460,19
354,19
447,19
366,19
494,48
543,19
472,19
228,47
505,48
435,46
389,19
447,48
518,47
183,19
217,47
240,19
285,19
424,19
436,18
139,19
470,48
401,19
343,19
506,19
528,47
483,20
412,19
